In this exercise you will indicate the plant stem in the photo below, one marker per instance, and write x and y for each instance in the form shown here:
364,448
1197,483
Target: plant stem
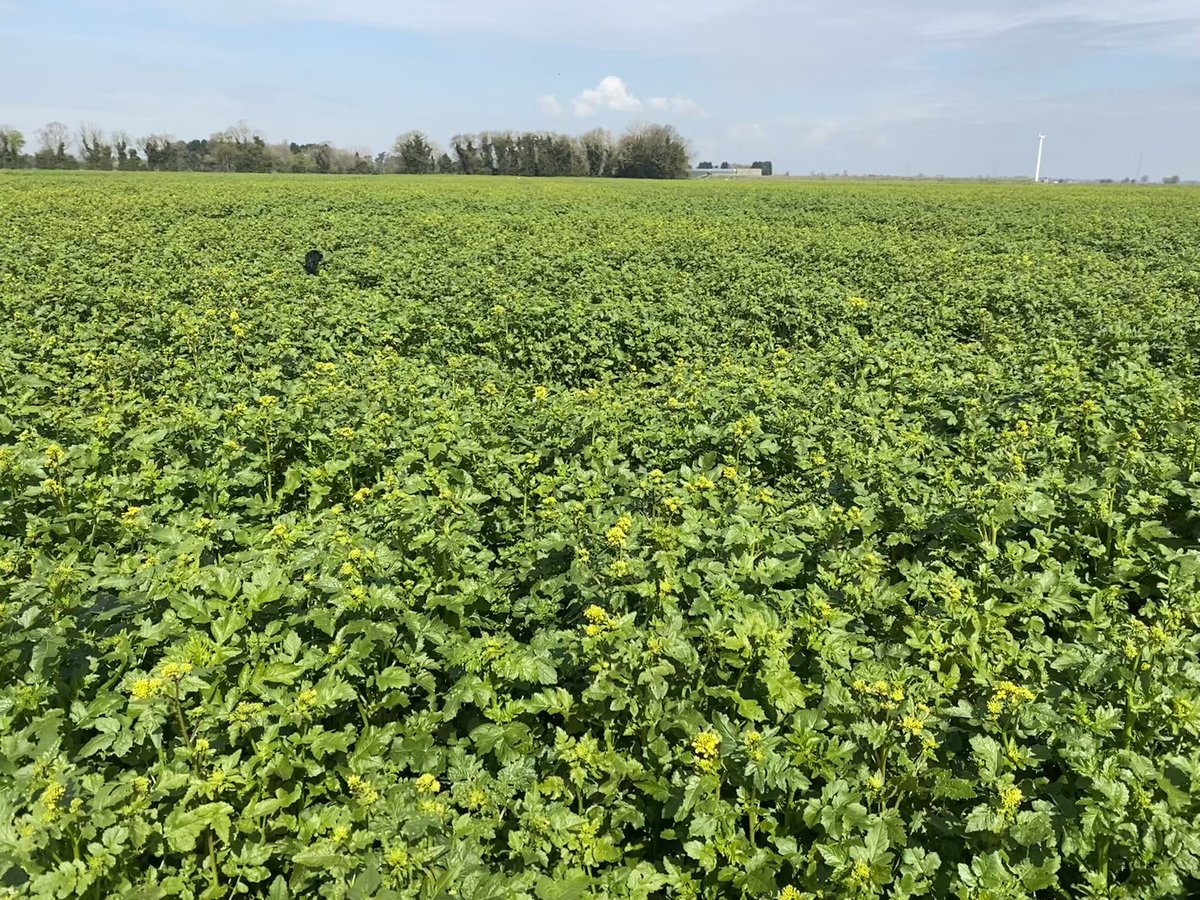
270,470
212,856
183,726
753,829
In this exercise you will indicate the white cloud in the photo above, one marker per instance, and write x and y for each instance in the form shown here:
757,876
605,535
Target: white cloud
549,104
680,106
610,93
614,95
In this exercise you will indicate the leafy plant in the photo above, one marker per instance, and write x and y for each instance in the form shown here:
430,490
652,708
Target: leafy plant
631,540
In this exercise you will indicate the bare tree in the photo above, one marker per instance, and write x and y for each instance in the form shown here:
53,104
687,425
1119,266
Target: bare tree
466,153
241,133
127,153
163,152
54,138
239,148
599,151
97,150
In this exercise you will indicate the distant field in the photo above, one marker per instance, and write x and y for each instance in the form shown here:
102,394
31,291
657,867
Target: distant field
616,539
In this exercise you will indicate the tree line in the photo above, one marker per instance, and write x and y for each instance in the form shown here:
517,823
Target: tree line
644,151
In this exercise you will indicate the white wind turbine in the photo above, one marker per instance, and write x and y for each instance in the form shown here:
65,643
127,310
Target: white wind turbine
1037,175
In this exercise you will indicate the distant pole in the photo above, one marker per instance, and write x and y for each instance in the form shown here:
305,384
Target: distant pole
1037,174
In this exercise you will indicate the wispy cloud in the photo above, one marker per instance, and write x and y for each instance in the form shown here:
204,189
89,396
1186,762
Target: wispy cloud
748,132
680,106
744,28
992,18
549,104
824,131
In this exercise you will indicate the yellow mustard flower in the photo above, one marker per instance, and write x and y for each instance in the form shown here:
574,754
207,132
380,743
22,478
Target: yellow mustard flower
361,790
146,688
1010,799
175,671
706,745
861,872
53,794
615,537
1009,697
398,858
476,800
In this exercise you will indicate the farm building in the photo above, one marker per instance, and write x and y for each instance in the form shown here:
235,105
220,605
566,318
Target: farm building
737,172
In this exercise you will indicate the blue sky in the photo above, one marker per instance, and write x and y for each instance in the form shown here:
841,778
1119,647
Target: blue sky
954,87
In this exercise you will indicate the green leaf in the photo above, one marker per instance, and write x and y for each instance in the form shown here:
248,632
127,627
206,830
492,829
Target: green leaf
947,787
876,842
322,742
982,818
786,690
989,755
393,678
570,885
183,826
1032,828
317,857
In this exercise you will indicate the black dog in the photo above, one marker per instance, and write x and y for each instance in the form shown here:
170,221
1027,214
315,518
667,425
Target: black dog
312,261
